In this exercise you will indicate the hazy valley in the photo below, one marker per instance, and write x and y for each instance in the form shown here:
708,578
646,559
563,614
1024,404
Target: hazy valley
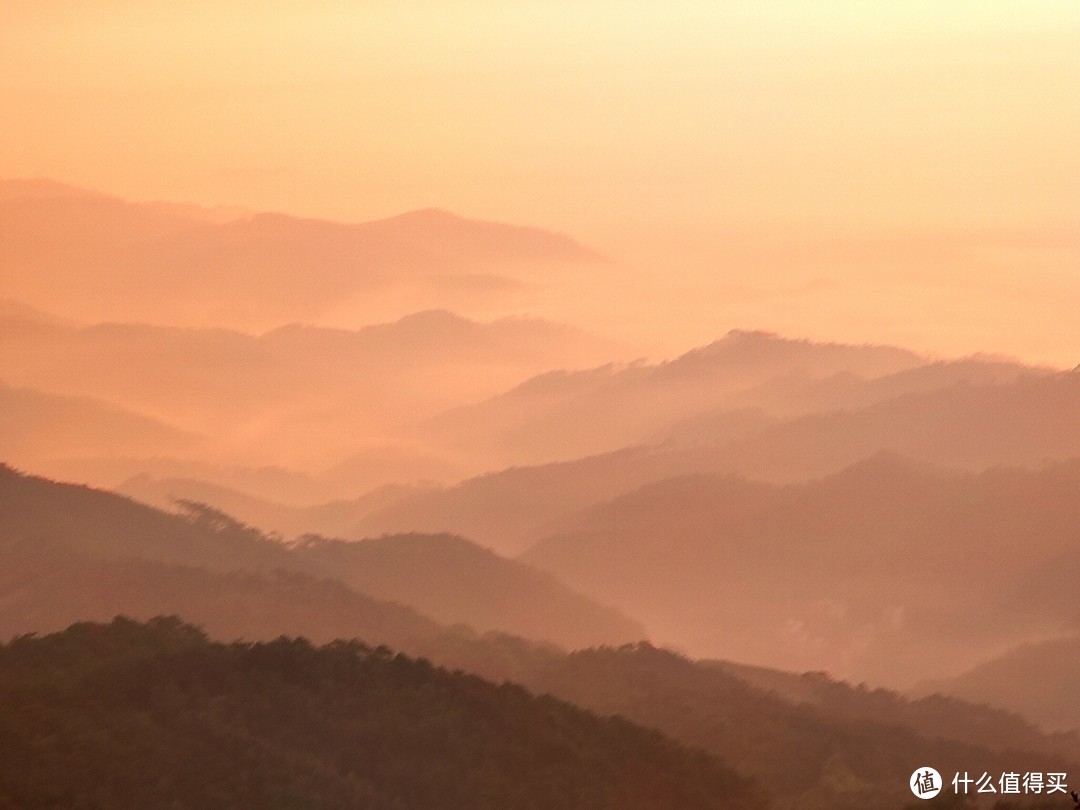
764,554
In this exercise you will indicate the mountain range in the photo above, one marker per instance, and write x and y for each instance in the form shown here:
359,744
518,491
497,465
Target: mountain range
187,265
1036,679
295,396
838,746
960,425
70,551
157,715
888,571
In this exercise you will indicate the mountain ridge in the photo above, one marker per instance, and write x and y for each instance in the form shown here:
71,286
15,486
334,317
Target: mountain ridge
193,265
223,559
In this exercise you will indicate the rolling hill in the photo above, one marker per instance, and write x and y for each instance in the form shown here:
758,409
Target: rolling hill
1035,679
460,582
297,396
46,586
1028,421
888,571
36,427
70,552
849,750
563,415
333,518
157,715
186,265
837,746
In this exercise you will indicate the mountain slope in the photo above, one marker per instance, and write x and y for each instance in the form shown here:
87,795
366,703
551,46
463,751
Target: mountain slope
183,265
46,586
458,581
843,749
799,393
1036,679
509,509
562,415
851,752
333,518
156,715
297,395
857,758
107,526
35,426
72,552
886,571
1027,421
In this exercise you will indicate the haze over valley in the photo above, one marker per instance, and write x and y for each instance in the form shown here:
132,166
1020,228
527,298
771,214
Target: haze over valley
524,407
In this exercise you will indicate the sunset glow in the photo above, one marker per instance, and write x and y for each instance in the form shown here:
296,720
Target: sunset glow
730,144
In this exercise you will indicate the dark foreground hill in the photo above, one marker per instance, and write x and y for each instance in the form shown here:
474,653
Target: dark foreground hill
100,693
70,554
835,747
156,715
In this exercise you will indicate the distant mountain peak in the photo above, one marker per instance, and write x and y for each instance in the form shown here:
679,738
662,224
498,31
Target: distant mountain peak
12,310
752,335
523,241
889,464
434,317
43,188
429,215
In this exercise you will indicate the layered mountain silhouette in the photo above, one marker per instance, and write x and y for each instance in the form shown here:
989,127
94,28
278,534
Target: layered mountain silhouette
72,551
188,265
1027,421
431,470
563,415
458,581
86,552
729,390
799,393
933,715
842,751
47,583
1036,679
224,483
157,715
35,427
334,518
887,571
295,395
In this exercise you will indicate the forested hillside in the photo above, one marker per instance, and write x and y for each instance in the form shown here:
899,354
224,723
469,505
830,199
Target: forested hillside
157,716
852,750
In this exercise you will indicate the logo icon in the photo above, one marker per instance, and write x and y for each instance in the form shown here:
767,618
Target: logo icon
925,783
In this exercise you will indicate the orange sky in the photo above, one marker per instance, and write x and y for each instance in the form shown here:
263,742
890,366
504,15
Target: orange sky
699,134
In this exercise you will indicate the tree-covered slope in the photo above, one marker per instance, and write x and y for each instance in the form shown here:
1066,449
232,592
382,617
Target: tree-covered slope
849,750
156,715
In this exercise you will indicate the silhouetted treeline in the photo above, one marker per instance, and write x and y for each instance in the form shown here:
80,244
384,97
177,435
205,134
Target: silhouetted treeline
852,751
156,715
70,553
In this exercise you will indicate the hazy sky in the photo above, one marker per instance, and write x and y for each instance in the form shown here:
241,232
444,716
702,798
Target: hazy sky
707,130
